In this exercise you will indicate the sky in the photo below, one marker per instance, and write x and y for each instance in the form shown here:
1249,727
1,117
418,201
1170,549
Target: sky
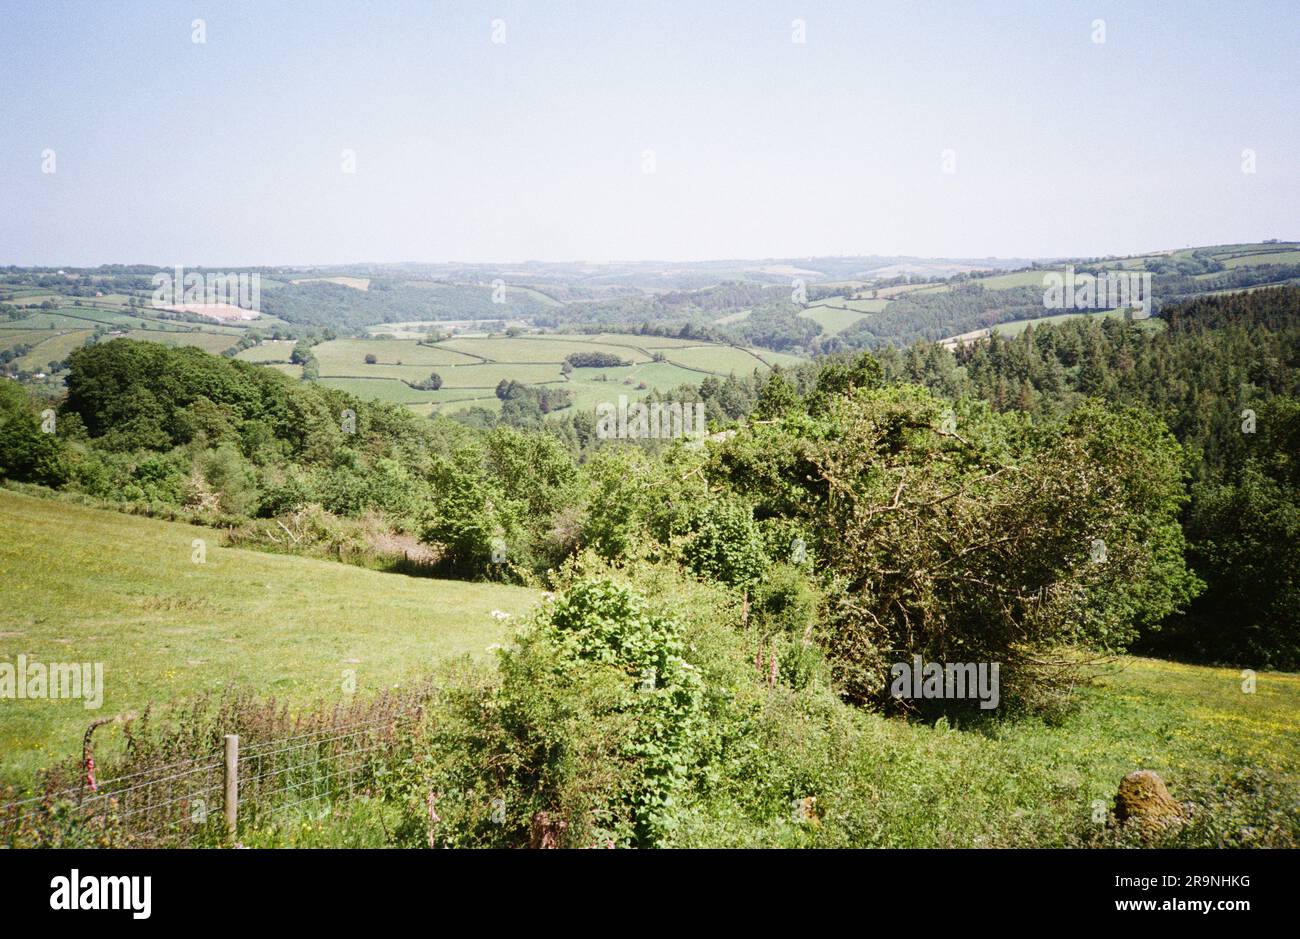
562,131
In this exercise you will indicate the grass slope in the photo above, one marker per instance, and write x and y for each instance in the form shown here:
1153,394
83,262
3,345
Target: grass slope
1025,783
87,585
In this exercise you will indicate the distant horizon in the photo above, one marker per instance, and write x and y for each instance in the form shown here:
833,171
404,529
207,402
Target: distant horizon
617,261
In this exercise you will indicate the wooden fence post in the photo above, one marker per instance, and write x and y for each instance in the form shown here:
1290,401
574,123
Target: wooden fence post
232,783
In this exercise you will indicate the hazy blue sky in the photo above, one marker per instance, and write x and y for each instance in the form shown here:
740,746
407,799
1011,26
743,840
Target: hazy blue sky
229,152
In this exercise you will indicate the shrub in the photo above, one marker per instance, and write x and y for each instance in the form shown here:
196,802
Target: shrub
602,630
588,740
479,529
28,454
230,478
594,360
719,540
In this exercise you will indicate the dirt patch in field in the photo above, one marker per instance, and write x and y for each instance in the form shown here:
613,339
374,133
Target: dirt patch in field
391,544
356,283
221,312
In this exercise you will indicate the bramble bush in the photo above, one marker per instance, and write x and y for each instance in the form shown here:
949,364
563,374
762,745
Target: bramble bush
590,734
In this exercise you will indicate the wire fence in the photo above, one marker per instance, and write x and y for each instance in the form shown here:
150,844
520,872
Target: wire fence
188,803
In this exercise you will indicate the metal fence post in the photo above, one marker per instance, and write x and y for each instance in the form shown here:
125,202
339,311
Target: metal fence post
232,783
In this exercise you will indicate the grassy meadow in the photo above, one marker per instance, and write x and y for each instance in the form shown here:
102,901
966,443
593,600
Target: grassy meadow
88,585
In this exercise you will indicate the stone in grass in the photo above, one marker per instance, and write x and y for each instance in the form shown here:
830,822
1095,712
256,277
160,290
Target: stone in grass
1144,802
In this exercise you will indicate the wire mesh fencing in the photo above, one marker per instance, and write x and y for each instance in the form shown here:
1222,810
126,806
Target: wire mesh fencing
193,802
316,767
159,806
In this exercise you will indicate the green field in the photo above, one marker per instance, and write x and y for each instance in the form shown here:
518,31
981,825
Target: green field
653,343
348,356
865,305
88,585
833,319
720,360
471,367
82,317
538,348
35,299
9,338
836,314
462,400
59,334
208,342
54,348
996,282
1272,257
380,389
270,350
1025,783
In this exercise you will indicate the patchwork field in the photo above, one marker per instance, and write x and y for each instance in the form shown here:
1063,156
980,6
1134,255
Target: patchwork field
472,366
125,592
74,320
